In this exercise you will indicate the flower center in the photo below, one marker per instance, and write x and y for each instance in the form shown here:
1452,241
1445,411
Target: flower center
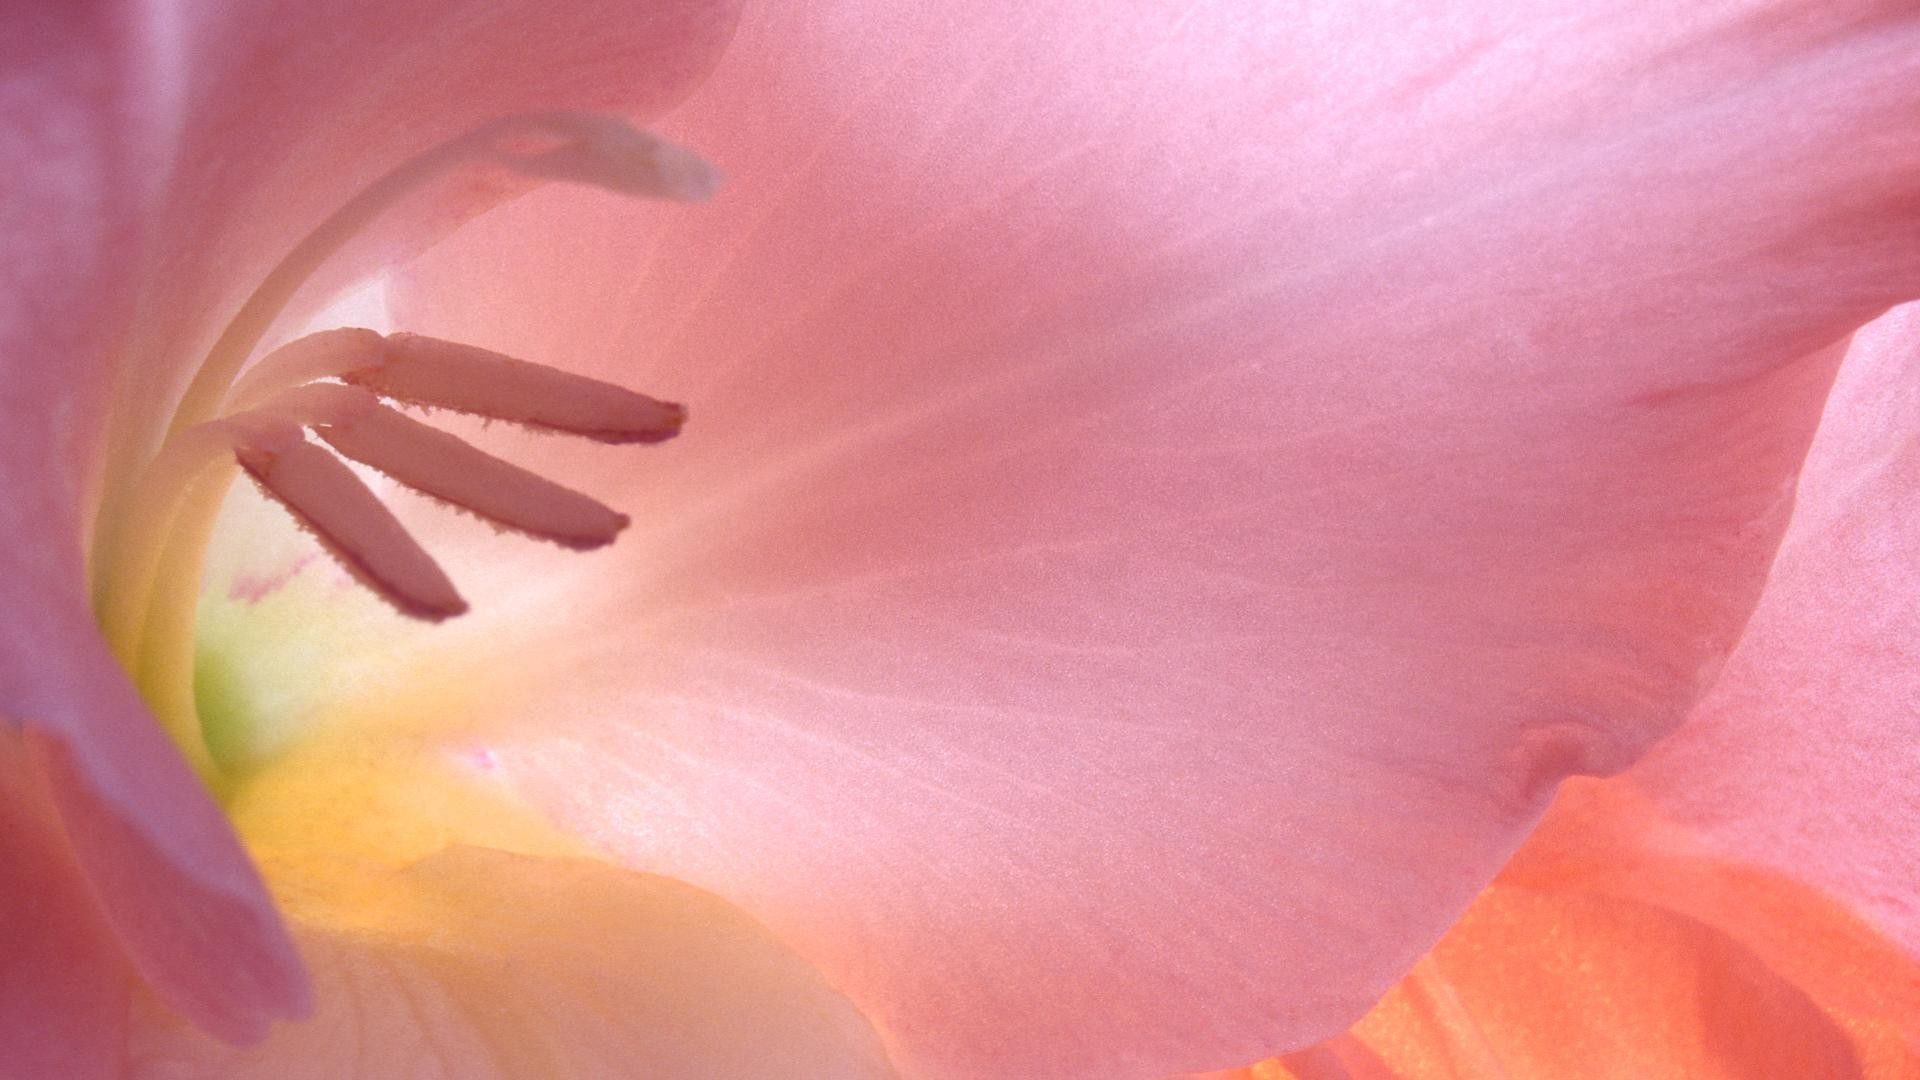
159,508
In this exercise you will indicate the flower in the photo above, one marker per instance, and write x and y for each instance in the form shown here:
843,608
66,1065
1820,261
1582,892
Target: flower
1171,494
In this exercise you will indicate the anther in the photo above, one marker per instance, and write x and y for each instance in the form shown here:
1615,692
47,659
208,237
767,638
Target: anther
441,465
426,371
350,521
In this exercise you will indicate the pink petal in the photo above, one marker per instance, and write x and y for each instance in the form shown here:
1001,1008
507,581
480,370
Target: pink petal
172,880
1168,495
1804,756
479,964
171,877
63,987
167,155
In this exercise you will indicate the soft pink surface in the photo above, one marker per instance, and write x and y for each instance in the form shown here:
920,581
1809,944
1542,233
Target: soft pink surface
166,156
1169,492
63,985
1806,756
168,872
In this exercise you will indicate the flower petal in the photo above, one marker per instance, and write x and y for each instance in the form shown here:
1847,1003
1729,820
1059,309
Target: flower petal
1612,985
1169,494
480,963
63,986
1617,942
1804,755
1608,839
171,877
516,967
161,861
1549,984
1569,981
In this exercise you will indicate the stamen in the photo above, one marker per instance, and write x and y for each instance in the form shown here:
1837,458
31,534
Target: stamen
601,151
167,475
317,356
444,466
352,523
187,461
427,371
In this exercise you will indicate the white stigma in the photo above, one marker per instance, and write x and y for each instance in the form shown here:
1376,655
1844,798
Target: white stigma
609,153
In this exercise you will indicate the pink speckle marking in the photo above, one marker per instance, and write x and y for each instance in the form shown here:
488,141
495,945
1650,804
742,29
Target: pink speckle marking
253,588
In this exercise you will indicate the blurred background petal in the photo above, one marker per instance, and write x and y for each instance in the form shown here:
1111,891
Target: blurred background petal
1620,943
1805,756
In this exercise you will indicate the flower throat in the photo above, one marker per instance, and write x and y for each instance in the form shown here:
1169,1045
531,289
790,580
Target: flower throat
165,488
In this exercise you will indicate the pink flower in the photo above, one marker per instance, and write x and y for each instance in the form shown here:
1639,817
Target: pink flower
1169,496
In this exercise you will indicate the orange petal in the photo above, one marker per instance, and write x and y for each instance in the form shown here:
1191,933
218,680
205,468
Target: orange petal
1566,983
1619,944
1611,839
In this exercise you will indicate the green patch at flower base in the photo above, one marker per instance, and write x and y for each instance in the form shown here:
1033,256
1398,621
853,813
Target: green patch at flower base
282,637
